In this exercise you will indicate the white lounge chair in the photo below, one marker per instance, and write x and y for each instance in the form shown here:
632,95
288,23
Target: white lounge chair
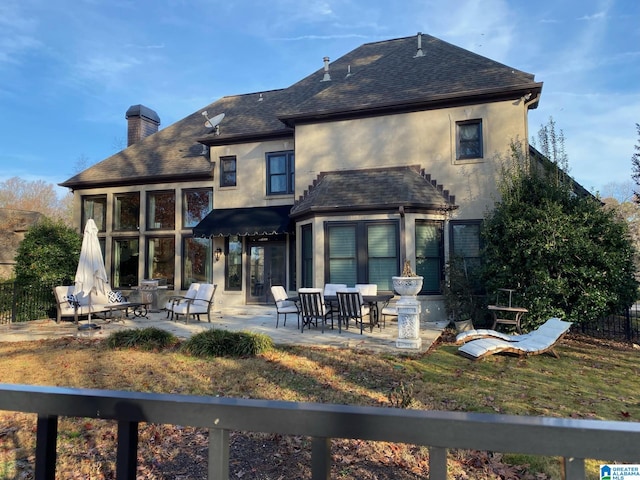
482,343
200,305
174,300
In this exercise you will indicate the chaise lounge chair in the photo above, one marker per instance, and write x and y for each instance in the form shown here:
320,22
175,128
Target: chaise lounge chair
481,343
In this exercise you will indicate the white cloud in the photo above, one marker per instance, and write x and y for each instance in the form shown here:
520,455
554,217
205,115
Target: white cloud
595,16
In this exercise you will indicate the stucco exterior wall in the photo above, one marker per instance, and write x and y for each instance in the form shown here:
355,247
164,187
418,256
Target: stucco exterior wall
251,174
426,138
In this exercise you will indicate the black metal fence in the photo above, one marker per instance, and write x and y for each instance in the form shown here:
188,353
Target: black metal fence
572,439
623,326
21,303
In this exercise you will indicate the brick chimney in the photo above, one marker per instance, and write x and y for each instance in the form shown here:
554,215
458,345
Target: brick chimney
141,122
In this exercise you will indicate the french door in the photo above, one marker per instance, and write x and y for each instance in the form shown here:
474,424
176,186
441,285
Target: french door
267,266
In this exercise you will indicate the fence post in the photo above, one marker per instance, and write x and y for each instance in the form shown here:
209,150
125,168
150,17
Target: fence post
127,450
46,436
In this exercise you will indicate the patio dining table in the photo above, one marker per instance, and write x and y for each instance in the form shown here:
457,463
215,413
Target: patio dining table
372,300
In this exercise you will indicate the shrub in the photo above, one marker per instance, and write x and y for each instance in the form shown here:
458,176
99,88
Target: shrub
150,339
220,343
565,254
49,253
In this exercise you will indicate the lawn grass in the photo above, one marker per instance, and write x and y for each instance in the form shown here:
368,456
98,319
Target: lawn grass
591,379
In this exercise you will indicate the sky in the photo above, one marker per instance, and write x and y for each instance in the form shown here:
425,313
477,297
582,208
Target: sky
70,69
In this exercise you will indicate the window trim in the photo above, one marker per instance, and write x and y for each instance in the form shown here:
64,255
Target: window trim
223,160
227,257
474,121
452,224
290,170
149,221
306,257
361,251
102,224
439,224
117,216
148,260
117,278
185,204
208,262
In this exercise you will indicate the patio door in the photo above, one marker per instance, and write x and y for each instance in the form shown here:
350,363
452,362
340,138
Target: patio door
267,266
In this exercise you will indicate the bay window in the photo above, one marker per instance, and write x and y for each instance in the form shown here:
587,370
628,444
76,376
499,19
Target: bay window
430,255
362,252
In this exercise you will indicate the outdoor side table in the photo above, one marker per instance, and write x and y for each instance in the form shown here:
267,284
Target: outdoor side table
507,316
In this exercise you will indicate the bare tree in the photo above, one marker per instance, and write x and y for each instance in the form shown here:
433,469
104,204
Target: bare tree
36,196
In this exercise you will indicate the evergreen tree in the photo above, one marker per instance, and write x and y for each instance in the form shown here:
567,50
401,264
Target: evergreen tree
49,253
566,255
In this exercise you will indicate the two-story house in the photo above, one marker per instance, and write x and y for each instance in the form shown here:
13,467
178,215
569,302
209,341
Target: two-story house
390,152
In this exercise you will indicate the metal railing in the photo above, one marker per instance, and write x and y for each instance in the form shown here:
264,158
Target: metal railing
24,302
622,326
574,440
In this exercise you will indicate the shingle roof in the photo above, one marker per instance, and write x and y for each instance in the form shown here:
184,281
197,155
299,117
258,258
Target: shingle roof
373,189
384,76
388,74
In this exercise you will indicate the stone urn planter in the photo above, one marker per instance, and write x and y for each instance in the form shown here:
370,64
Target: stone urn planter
408,286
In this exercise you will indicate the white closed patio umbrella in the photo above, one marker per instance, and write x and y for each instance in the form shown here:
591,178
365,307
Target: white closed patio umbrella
91,274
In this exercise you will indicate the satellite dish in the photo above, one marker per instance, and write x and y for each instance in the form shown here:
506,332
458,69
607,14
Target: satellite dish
212,122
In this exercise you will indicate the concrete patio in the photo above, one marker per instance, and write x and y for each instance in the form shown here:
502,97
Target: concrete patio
253,318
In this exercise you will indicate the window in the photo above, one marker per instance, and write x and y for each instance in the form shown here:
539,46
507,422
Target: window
362,252
382,249
466,249
127,211
125,262
196,205
161,210
196,261
161,253
233,258
465,241
280,173
96,208
469,139
430,255
307,256
228,171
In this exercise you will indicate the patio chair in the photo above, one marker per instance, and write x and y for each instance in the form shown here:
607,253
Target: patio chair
284,306
174,300
200,305
388,311
330,290
352,307
312,308
539,341
367,288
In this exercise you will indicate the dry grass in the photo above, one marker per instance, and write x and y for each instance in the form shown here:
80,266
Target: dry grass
591,380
